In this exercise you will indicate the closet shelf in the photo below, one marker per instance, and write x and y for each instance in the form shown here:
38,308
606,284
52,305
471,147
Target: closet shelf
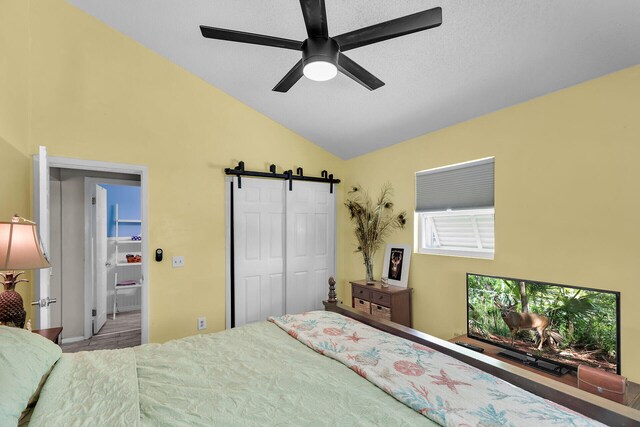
124,241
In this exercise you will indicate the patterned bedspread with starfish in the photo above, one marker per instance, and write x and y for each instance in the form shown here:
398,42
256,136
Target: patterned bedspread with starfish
437,386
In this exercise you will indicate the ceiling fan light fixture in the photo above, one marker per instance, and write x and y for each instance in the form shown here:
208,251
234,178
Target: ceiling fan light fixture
320,71
320,59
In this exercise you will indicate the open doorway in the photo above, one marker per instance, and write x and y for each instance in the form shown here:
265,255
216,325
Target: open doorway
96,217
116,253
64,193
113,263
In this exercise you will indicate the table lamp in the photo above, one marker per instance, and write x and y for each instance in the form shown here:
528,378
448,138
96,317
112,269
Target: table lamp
20,249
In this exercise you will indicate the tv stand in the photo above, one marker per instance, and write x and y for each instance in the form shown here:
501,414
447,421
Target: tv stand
632,398
534,362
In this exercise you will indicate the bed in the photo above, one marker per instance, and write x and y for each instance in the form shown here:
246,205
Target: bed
316,368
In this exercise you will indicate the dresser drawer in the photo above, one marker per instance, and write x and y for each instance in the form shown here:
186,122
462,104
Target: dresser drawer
380,298
362,305
360,292
381,311
384,302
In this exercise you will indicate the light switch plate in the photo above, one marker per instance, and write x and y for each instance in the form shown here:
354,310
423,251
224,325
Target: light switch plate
177,261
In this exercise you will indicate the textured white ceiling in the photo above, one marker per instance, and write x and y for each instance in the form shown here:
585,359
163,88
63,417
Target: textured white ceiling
486,55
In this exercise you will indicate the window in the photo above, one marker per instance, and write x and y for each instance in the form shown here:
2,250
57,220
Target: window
455,210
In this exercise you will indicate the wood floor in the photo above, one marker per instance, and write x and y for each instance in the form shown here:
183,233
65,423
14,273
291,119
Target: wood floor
122,332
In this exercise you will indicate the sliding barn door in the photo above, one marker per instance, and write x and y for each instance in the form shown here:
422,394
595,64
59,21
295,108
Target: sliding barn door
258,224
283,248
310,245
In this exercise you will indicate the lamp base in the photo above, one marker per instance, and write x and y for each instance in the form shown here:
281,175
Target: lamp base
12,311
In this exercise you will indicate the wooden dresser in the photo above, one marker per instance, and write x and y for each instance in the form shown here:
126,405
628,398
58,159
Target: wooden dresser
391,303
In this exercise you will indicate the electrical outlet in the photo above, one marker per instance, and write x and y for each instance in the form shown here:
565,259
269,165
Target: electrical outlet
202,323
177,261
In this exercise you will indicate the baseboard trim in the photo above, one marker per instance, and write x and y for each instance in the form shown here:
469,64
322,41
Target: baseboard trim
72,340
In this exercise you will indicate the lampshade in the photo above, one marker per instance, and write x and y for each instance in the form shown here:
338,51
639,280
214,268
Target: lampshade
20,248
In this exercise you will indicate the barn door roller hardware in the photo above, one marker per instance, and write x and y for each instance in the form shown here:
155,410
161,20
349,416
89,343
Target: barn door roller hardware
240,171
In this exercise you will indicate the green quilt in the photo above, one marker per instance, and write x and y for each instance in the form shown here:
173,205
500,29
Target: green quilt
252,375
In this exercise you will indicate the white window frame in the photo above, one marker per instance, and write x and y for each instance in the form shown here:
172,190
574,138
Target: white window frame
425,231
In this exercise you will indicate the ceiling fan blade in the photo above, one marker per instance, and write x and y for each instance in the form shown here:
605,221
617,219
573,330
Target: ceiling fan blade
242,37
290,79
387,30
315,18
357,73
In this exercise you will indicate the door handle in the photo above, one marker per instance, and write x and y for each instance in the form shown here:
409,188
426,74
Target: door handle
107,264
44,302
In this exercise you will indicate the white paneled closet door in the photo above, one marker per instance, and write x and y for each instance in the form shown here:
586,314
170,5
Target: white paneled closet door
283,247
258,223
310,245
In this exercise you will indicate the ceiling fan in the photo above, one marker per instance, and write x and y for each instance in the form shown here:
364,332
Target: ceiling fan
322,56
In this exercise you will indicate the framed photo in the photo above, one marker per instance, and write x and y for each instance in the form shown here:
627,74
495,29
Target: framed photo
396,264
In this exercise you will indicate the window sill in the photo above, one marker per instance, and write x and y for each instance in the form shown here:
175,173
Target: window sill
461,253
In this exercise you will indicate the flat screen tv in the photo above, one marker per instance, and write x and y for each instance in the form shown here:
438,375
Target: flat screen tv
551,327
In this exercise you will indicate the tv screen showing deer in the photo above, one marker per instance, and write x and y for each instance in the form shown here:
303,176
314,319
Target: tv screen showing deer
564,325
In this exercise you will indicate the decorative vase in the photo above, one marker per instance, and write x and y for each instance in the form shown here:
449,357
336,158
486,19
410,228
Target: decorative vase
368,264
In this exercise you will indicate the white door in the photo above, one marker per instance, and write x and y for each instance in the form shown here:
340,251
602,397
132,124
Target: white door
100,259
258,223
42,283
310,245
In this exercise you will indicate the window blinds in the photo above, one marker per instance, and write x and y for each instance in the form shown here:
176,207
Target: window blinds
462,186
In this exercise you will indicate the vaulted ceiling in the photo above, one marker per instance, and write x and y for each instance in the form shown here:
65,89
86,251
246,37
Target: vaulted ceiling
487,55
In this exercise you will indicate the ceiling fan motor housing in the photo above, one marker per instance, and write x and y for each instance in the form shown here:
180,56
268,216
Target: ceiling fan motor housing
320,49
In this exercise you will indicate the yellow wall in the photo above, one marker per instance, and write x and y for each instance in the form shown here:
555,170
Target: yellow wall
98,95
14,45
14,161
567,200
14,198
